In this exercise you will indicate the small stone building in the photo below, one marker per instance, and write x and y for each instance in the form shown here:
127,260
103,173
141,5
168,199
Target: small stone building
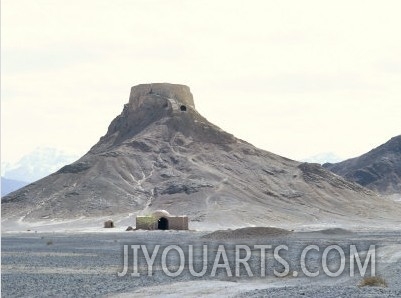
162,220
109,224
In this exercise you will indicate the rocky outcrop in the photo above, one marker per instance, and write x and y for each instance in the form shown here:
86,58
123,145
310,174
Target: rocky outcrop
378,170
159,107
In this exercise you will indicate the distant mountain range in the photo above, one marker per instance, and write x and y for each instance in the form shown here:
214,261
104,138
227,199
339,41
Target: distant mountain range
160,153
378,170
9,185
325,157
37,164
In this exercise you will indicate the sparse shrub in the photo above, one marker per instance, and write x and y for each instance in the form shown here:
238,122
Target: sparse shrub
373,281
49,242
147,222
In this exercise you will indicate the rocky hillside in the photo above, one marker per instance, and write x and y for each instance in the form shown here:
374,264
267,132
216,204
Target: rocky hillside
160,153
379,169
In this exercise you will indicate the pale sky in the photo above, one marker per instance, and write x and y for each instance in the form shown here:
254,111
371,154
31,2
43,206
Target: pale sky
296,78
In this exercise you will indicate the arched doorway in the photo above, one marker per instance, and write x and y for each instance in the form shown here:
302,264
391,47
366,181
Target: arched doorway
162,224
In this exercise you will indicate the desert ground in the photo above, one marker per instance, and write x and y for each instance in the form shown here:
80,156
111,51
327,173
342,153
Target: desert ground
86,263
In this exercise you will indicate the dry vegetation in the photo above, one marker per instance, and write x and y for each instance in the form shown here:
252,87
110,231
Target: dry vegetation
373,281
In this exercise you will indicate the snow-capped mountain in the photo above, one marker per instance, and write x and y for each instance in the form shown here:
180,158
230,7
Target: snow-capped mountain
37,164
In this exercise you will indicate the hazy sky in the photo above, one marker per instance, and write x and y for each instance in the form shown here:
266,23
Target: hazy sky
293,77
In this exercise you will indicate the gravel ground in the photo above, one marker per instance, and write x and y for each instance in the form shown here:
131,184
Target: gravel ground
86,265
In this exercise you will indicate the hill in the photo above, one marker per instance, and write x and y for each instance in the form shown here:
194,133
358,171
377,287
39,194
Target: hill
160,153
378,169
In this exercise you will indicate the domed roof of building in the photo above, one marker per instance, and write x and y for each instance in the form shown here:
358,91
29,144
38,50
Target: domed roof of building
161,213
